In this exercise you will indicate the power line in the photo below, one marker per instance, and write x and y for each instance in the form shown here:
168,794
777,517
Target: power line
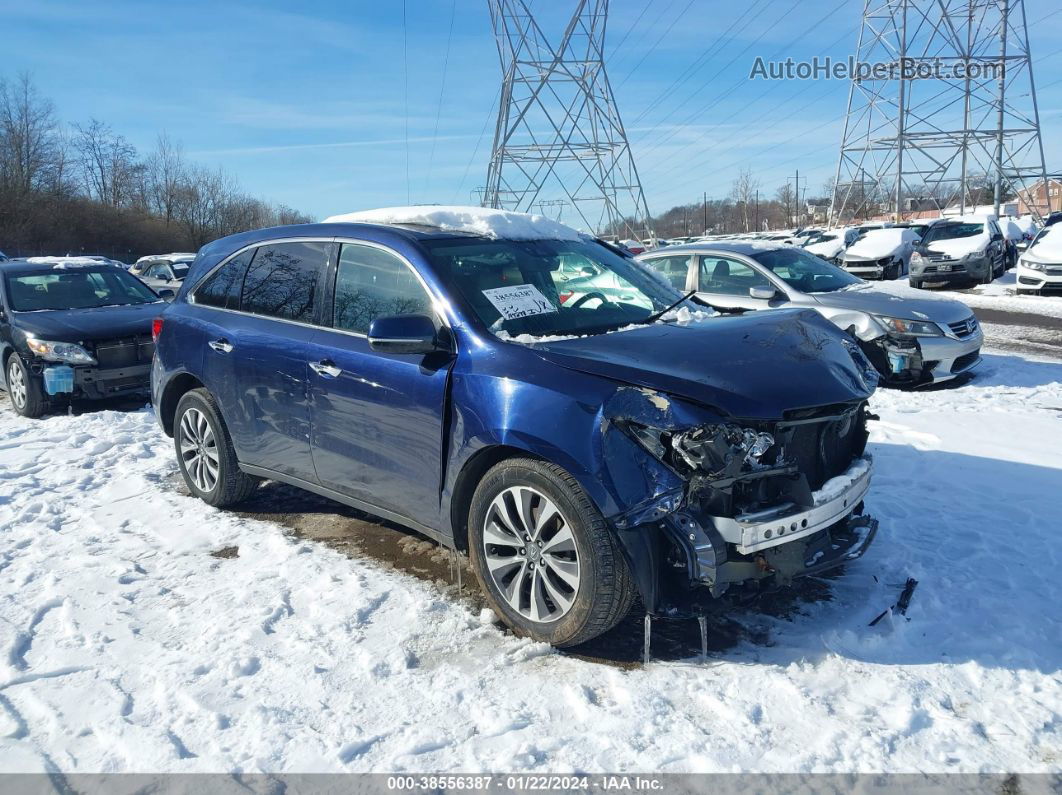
442,91
630,30
405,94
656,44
479,142
690,70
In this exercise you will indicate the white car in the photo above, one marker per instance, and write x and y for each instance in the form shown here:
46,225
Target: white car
831,244
881,253
910,341
1040,266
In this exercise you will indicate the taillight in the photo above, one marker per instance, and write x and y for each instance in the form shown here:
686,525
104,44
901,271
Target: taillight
156,329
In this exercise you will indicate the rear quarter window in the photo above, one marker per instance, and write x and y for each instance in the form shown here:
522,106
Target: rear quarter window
283,280
222,288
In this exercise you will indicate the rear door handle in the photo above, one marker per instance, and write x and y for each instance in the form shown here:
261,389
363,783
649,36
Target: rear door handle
221,346
326,368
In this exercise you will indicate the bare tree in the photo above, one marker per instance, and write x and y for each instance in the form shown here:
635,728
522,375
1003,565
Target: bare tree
107,162
28,132
166,173
743,192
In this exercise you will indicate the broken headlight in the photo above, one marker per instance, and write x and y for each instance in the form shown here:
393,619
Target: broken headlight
913,328
717,450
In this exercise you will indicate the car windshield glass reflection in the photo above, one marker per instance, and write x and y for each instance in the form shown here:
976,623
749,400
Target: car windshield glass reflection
952,232
550,287
804,271
34,292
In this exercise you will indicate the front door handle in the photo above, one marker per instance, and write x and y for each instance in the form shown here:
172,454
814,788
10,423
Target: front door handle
221,346
326,368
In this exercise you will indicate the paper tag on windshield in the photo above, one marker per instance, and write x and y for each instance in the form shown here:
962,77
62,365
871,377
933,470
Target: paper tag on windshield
520,300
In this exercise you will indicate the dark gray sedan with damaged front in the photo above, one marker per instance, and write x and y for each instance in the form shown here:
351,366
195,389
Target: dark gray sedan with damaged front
911,341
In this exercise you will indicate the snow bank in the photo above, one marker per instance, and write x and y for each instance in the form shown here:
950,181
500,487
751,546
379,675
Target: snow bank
126,646
879,243
498,224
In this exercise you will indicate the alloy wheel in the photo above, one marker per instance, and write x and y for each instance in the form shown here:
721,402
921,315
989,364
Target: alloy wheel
531,554
199,450
16,383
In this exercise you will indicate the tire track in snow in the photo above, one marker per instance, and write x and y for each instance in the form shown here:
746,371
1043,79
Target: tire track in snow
24,640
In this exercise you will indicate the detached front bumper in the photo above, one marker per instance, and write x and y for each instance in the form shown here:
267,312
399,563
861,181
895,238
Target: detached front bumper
755,532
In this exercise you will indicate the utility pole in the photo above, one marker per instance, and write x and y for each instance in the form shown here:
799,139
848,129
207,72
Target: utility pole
559,131
757,209
918,130
705,227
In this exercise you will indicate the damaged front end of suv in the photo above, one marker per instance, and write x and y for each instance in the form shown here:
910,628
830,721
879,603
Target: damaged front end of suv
737,506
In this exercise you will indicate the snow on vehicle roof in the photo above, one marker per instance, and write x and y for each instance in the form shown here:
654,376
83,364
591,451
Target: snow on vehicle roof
881,242
67,262
496,224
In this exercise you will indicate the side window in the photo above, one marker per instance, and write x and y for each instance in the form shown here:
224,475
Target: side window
371,283
727,276
222,287
282,280
675,268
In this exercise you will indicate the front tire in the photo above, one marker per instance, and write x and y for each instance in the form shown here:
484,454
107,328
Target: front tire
547,562
916,283
23,390
205,454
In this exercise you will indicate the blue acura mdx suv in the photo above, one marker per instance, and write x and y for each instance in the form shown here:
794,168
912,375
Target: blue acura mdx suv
536,399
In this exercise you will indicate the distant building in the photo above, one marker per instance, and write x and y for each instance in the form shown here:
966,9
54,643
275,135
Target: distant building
1044,199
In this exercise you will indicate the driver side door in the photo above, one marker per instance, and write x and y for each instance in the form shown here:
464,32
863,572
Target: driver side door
725,282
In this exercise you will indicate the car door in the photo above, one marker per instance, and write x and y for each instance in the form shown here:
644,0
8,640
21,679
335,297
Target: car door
724,281
377,419
256,356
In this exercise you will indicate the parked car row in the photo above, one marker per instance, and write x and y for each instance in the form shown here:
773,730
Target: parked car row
568,415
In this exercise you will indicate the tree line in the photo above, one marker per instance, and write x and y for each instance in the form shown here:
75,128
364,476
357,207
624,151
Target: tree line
85,189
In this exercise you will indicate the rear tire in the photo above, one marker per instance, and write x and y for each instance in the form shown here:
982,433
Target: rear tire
205,454
23,390
525,512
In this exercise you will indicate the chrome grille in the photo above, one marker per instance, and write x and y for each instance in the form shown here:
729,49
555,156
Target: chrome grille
964,328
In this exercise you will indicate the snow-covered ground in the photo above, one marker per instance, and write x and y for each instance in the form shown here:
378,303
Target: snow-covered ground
127,646
1001,294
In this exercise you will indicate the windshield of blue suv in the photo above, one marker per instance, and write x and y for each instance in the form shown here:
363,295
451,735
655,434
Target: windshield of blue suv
81,289
550,287
804,271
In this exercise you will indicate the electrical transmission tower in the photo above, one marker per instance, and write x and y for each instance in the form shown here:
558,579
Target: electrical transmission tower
559,135
922,135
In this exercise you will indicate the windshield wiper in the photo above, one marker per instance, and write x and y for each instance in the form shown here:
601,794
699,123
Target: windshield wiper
657,315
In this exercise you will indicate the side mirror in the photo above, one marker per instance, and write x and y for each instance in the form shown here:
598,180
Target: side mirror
403,334
762,293
166,295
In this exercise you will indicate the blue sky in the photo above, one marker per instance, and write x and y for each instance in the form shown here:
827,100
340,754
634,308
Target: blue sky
306,103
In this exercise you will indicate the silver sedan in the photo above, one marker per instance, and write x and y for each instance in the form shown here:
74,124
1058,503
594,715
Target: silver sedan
911,341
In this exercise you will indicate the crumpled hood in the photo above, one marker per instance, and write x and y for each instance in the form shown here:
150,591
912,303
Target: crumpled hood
879,302
959,247
86,325
755,366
